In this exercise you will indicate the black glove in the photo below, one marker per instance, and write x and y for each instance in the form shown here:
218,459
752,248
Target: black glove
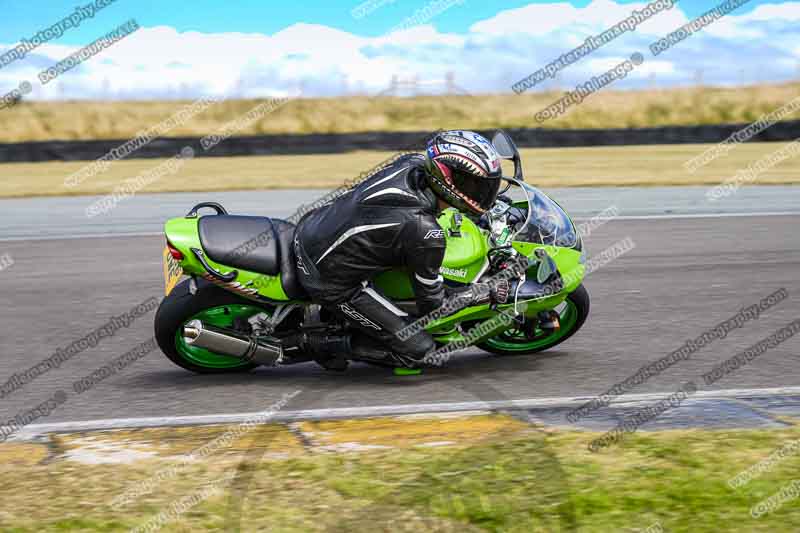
495,291
500,291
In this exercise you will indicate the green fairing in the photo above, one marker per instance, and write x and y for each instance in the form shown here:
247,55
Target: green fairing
183,234
465,253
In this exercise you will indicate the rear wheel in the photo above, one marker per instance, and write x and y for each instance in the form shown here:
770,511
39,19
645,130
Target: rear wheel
212,305
572,314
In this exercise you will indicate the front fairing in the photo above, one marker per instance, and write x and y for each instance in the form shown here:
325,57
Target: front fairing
547,226
547,222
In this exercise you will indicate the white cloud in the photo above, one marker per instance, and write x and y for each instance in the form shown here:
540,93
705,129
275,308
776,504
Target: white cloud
756,24
599,15
535,19
496,52
766,12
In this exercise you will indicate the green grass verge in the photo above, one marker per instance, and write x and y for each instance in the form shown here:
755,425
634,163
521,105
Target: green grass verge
547,167
536,481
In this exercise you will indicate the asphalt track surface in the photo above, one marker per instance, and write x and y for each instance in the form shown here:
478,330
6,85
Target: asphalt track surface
694,265
144,214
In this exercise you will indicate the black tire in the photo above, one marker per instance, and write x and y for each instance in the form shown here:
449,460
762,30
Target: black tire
178,307
580,298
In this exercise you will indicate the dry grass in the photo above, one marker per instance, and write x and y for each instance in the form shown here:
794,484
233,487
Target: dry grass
121,120
551,167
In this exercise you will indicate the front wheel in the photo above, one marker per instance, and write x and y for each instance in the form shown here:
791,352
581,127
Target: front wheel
212,305
572,315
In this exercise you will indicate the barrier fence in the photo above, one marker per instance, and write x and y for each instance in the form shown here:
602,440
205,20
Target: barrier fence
390,141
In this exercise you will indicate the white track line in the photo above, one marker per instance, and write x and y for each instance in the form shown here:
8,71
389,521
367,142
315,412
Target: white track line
86,236
576,219
35,430
701,215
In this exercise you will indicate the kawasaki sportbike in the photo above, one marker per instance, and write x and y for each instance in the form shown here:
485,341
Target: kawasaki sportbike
242,288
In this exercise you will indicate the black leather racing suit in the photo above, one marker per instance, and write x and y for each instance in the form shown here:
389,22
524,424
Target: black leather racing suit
385,222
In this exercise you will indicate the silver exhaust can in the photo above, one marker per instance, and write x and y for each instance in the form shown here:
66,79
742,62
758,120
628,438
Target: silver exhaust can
238,345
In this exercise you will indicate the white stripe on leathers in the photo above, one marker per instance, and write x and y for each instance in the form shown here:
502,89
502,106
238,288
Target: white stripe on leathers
353,231
384,302
390,176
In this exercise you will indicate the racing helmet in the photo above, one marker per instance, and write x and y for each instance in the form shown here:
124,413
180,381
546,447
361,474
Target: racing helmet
463,169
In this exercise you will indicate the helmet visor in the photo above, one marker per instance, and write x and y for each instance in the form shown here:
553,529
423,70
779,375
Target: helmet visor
480,191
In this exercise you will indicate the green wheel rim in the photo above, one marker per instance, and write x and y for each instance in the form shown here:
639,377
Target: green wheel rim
519,343
221,316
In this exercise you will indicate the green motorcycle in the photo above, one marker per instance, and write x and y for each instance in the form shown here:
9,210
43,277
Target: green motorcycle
230,282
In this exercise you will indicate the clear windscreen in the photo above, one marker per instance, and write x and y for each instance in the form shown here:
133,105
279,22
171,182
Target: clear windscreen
547,224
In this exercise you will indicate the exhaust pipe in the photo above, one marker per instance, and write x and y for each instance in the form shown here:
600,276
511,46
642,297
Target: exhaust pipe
238,345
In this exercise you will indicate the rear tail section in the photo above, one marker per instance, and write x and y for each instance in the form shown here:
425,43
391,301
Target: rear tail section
186,254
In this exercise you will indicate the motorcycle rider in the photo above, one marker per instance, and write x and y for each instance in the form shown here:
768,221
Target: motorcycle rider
390,221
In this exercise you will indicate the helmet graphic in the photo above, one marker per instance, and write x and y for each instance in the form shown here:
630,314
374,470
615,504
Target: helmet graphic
463,170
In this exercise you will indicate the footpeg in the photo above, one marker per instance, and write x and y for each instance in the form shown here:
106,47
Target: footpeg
402,371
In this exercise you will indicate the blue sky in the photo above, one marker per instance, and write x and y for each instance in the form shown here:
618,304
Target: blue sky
249,48
268,17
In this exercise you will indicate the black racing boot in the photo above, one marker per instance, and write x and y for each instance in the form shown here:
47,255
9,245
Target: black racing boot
368,349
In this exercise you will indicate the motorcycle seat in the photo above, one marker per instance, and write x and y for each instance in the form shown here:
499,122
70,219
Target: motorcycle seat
256,244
